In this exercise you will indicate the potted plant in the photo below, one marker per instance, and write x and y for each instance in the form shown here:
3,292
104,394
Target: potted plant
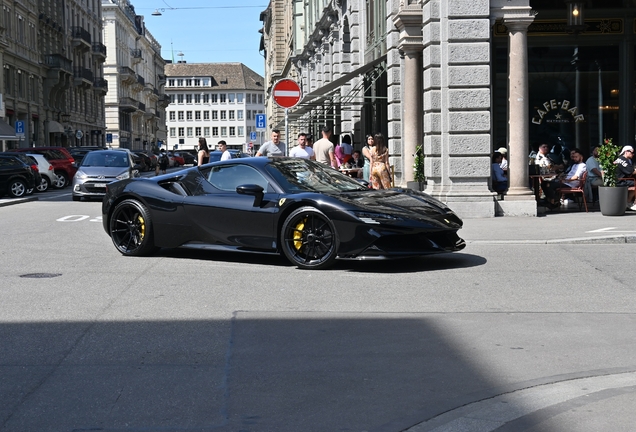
612,198
418,167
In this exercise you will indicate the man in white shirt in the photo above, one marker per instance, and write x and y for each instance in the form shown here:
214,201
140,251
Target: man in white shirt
223,147
275,147
301,150
571,179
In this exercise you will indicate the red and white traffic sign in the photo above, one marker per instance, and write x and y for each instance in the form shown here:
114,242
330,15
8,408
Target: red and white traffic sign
286,93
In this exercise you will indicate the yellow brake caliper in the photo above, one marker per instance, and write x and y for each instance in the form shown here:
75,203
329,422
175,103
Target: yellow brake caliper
142,227
298,234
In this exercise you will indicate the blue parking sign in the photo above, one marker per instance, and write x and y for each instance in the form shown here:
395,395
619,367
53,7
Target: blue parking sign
261,121
253,136
19,128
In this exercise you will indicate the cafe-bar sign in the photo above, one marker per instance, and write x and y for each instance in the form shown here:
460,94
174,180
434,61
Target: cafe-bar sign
563,109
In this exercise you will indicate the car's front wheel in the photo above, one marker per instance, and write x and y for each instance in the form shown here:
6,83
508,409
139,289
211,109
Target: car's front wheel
309,239
44,184
131,228
17,188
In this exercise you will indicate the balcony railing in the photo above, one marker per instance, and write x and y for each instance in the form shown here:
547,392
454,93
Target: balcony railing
80,33
100,83
128,104
141,80
99,48
58,61
83,73
135,53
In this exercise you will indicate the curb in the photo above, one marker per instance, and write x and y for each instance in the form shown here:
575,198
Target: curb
615,239
11,201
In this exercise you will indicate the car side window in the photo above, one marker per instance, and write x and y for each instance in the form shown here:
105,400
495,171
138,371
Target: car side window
228,177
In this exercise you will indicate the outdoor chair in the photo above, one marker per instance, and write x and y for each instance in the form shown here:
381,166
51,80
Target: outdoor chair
579,189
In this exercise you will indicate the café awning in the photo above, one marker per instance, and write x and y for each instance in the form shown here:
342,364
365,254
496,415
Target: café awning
55,127
7,132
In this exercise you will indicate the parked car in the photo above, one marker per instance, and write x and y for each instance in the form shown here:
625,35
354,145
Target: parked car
78,153
16,178
99,168
28,162
175,159
216,155
145,162
61,160
46,171
188,158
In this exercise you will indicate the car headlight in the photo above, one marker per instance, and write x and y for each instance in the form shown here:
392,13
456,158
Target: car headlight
80,174
123,176
375,218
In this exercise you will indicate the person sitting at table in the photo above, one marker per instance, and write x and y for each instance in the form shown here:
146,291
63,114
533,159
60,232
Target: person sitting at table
569,179
357,161
499,179
625,173
594,174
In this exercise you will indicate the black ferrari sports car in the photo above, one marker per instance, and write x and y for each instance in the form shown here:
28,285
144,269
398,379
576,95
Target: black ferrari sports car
311,213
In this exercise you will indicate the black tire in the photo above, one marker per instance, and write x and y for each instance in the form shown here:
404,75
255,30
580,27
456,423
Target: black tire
63,180
309,239
44,185
17,188
77,198
131,229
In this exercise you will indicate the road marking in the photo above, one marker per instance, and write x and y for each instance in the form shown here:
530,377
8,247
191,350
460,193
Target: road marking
609,229
78,218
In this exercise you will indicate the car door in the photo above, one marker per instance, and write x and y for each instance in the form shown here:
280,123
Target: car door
226,217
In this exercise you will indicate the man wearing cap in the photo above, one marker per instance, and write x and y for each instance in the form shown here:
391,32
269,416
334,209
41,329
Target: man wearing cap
625,170
504,158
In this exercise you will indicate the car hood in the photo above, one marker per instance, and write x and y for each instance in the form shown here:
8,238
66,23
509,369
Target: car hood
405,203
107,172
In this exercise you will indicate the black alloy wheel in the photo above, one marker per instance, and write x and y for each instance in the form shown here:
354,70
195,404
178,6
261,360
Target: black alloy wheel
309,239
131,229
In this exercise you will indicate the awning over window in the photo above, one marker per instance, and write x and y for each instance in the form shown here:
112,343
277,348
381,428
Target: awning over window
55,127
7,132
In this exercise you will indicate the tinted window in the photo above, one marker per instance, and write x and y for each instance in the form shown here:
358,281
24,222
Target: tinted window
300,175
228,177
9,162
100,159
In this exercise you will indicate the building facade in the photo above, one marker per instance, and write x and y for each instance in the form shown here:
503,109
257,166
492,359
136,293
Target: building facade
52,83
459,78
216,101
136,102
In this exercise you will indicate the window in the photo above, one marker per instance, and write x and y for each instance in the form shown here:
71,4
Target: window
206,98
172,98
171,83
215,131
189,115
206,132
239,98
223,97
181,132
230,98
179,83
173,132
206,115
232,131
223,115
197,98
197,131
260,99
188,98
253,98
206,82
173,117
180,115
223,131
231,114
240,130
180,98
239,114
197,83
190,132
188,83
248,98
229,177
215,98
249,114
215,115
197,116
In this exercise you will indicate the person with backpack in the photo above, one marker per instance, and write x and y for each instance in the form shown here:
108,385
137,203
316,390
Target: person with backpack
162,163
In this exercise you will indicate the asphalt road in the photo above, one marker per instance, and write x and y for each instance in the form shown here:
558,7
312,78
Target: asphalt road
533,337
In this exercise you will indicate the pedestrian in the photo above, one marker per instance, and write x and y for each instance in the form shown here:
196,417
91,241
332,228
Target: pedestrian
380,169
203,155
366,153
301,150
324,150
226,153
163,161
275,147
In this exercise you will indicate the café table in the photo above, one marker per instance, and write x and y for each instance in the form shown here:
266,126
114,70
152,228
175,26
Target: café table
351,172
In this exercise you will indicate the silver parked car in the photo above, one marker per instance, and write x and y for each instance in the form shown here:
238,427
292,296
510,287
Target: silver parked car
100,167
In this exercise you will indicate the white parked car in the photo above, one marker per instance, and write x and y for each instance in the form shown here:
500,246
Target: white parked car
46,171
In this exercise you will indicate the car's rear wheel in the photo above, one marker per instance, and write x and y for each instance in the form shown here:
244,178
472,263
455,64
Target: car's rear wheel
17,188
44,184
131,228
62,180
309,239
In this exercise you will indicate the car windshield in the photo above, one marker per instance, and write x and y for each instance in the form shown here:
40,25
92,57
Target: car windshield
301,175
99,159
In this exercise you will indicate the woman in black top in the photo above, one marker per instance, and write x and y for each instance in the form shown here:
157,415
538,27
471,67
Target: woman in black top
203,156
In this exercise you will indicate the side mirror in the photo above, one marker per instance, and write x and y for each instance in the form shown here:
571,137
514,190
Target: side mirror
252,189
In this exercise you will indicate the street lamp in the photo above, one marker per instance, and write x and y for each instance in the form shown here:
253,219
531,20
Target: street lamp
576,21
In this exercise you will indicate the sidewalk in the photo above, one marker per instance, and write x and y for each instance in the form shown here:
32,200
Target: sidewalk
6,201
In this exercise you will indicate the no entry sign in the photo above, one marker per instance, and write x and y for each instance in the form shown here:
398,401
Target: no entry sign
286,93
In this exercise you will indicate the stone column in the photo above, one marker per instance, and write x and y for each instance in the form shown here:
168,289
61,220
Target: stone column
409,22
518,119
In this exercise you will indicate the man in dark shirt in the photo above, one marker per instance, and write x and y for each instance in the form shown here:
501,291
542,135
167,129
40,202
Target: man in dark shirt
625,170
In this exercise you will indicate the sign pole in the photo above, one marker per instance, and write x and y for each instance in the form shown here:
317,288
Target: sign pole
287,131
